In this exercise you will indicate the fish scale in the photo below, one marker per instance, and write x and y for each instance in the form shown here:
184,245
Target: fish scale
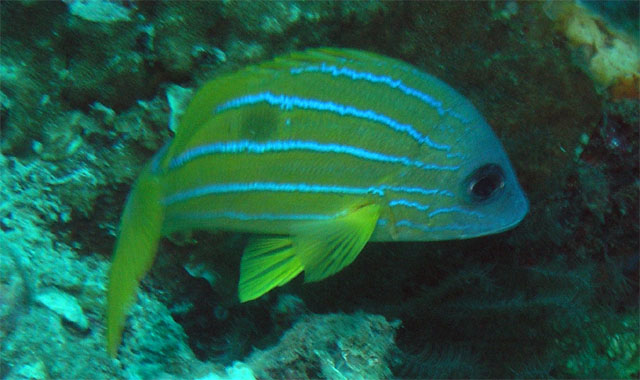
316,153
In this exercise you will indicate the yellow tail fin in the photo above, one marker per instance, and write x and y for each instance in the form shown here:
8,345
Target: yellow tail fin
140,231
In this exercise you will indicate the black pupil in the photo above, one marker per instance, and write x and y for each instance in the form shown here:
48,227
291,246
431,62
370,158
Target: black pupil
485,181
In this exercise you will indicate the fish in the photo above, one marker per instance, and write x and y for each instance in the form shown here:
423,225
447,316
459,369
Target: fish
315,153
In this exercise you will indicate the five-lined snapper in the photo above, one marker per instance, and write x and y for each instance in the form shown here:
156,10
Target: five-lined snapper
316,153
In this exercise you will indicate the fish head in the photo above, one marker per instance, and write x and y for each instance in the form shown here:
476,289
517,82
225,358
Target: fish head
485,196
489,189
472,192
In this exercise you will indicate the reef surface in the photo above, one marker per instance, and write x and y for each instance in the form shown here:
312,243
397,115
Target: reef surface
90,89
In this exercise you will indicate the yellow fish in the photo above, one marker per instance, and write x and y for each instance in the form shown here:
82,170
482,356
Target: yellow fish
316,152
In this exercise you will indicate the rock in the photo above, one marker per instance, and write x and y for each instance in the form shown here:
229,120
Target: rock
32,371
66,306
178,98
99,10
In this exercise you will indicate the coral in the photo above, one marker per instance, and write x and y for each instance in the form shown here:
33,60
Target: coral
238,371
15,290
620,15
332,346
38,269
86,98
60,143
178,48
612,351
23,103
612,57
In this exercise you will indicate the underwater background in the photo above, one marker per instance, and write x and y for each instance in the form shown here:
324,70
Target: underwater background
90,89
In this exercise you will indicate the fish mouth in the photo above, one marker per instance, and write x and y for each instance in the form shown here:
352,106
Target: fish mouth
522,205
522,209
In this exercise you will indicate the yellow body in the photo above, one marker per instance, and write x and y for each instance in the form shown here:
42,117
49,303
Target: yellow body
318,152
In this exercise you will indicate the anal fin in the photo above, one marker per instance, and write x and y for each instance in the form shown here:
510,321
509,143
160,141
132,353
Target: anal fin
267,263
319,248
327,247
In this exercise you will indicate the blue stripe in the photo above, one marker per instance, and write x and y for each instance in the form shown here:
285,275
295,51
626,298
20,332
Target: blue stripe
226,188
291,145
418,190
269,187
373,78
455,209
155,161
287,102
406,203
427,228
251,217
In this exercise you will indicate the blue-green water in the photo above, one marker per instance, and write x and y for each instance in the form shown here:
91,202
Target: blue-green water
89,90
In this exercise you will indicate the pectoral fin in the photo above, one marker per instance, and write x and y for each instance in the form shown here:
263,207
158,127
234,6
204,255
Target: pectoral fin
319,248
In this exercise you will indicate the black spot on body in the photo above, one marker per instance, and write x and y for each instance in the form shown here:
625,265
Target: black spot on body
259,123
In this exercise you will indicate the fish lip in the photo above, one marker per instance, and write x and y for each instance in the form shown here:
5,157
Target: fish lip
522,204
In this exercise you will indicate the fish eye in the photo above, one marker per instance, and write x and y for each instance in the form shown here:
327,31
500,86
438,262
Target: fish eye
484,182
